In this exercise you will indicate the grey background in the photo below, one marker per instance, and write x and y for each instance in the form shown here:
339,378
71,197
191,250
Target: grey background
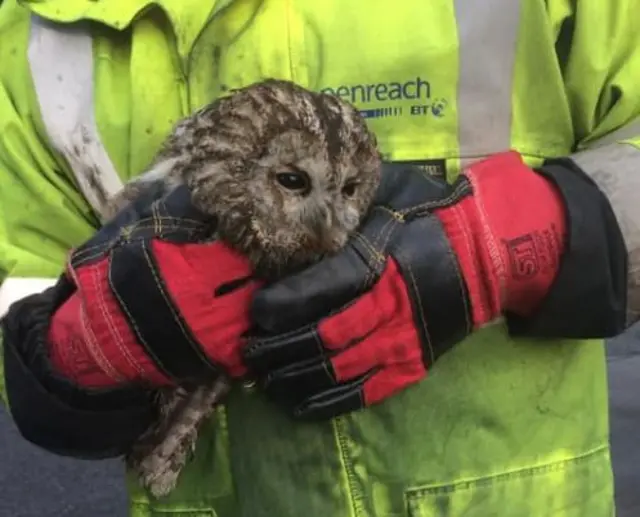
37,484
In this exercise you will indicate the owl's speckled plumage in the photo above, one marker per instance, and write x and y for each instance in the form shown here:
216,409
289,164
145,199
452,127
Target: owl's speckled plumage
289,175
230,152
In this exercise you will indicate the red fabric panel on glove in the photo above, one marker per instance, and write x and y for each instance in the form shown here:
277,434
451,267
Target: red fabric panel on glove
382,322
93,344
508,236
217,323
91,341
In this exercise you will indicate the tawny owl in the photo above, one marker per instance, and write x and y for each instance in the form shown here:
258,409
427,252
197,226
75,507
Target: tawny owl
289,173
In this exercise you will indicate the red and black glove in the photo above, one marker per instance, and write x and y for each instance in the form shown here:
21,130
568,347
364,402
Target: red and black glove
140,306
431,264
152,307
154,312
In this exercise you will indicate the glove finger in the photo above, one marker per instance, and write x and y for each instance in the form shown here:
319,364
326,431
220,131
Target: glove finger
291,385
341,399
305,297
386,302
295,381
392,379
361,392
389,347
283,351
394,346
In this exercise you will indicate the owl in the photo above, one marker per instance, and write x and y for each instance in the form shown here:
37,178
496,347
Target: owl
289,174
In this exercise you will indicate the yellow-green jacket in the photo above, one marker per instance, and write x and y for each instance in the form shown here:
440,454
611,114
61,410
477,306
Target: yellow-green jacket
88,91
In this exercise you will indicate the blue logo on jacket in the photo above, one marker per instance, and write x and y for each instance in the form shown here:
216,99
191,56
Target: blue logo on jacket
416,90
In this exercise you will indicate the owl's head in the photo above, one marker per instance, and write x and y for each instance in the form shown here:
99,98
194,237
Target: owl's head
289,173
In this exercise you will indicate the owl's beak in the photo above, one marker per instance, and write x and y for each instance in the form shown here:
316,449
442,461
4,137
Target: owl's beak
332,239
327,236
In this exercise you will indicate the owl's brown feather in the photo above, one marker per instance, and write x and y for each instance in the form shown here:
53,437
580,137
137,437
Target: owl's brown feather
230,152
288,174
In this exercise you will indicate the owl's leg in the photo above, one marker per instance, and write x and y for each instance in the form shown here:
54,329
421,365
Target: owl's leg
167,402
160,469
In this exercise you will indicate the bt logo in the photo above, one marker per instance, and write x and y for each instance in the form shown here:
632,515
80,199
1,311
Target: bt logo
416,90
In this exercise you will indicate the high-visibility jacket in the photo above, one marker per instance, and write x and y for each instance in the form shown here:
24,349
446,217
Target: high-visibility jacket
88,91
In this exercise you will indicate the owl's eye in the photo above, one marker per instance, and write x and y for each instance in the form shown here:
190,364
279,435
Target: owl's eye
349,189
297,181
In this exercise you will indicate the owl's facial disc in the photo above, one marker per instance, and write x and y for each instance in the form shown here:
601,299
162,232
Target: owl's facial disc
305,202
310,209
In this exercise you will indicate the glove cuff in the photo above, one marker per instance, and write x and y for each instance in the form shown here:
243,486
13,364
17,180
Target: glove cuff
508,236
49,409
152,311
91,342
588,299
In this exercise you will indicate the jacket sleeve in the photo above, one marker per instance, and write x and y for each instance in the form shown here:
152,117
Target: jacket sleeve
43,215
597,293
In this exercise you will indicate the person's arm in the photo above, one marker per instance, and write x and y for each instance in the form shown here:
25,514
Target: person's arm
133,310
615,168
92,321
599,52
598,49
555,251
42,216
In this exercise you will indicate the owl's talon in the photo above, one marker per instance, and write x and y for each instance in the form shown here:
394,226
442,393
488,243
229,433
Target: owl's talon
159,475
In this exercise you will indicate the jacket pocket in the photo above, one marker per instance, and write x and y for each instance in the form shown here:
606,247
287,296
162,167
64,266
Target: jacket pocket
204,487
578,487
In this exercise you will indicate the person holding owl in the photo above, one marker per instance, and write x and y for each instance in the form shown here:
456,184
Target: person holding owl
449,359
